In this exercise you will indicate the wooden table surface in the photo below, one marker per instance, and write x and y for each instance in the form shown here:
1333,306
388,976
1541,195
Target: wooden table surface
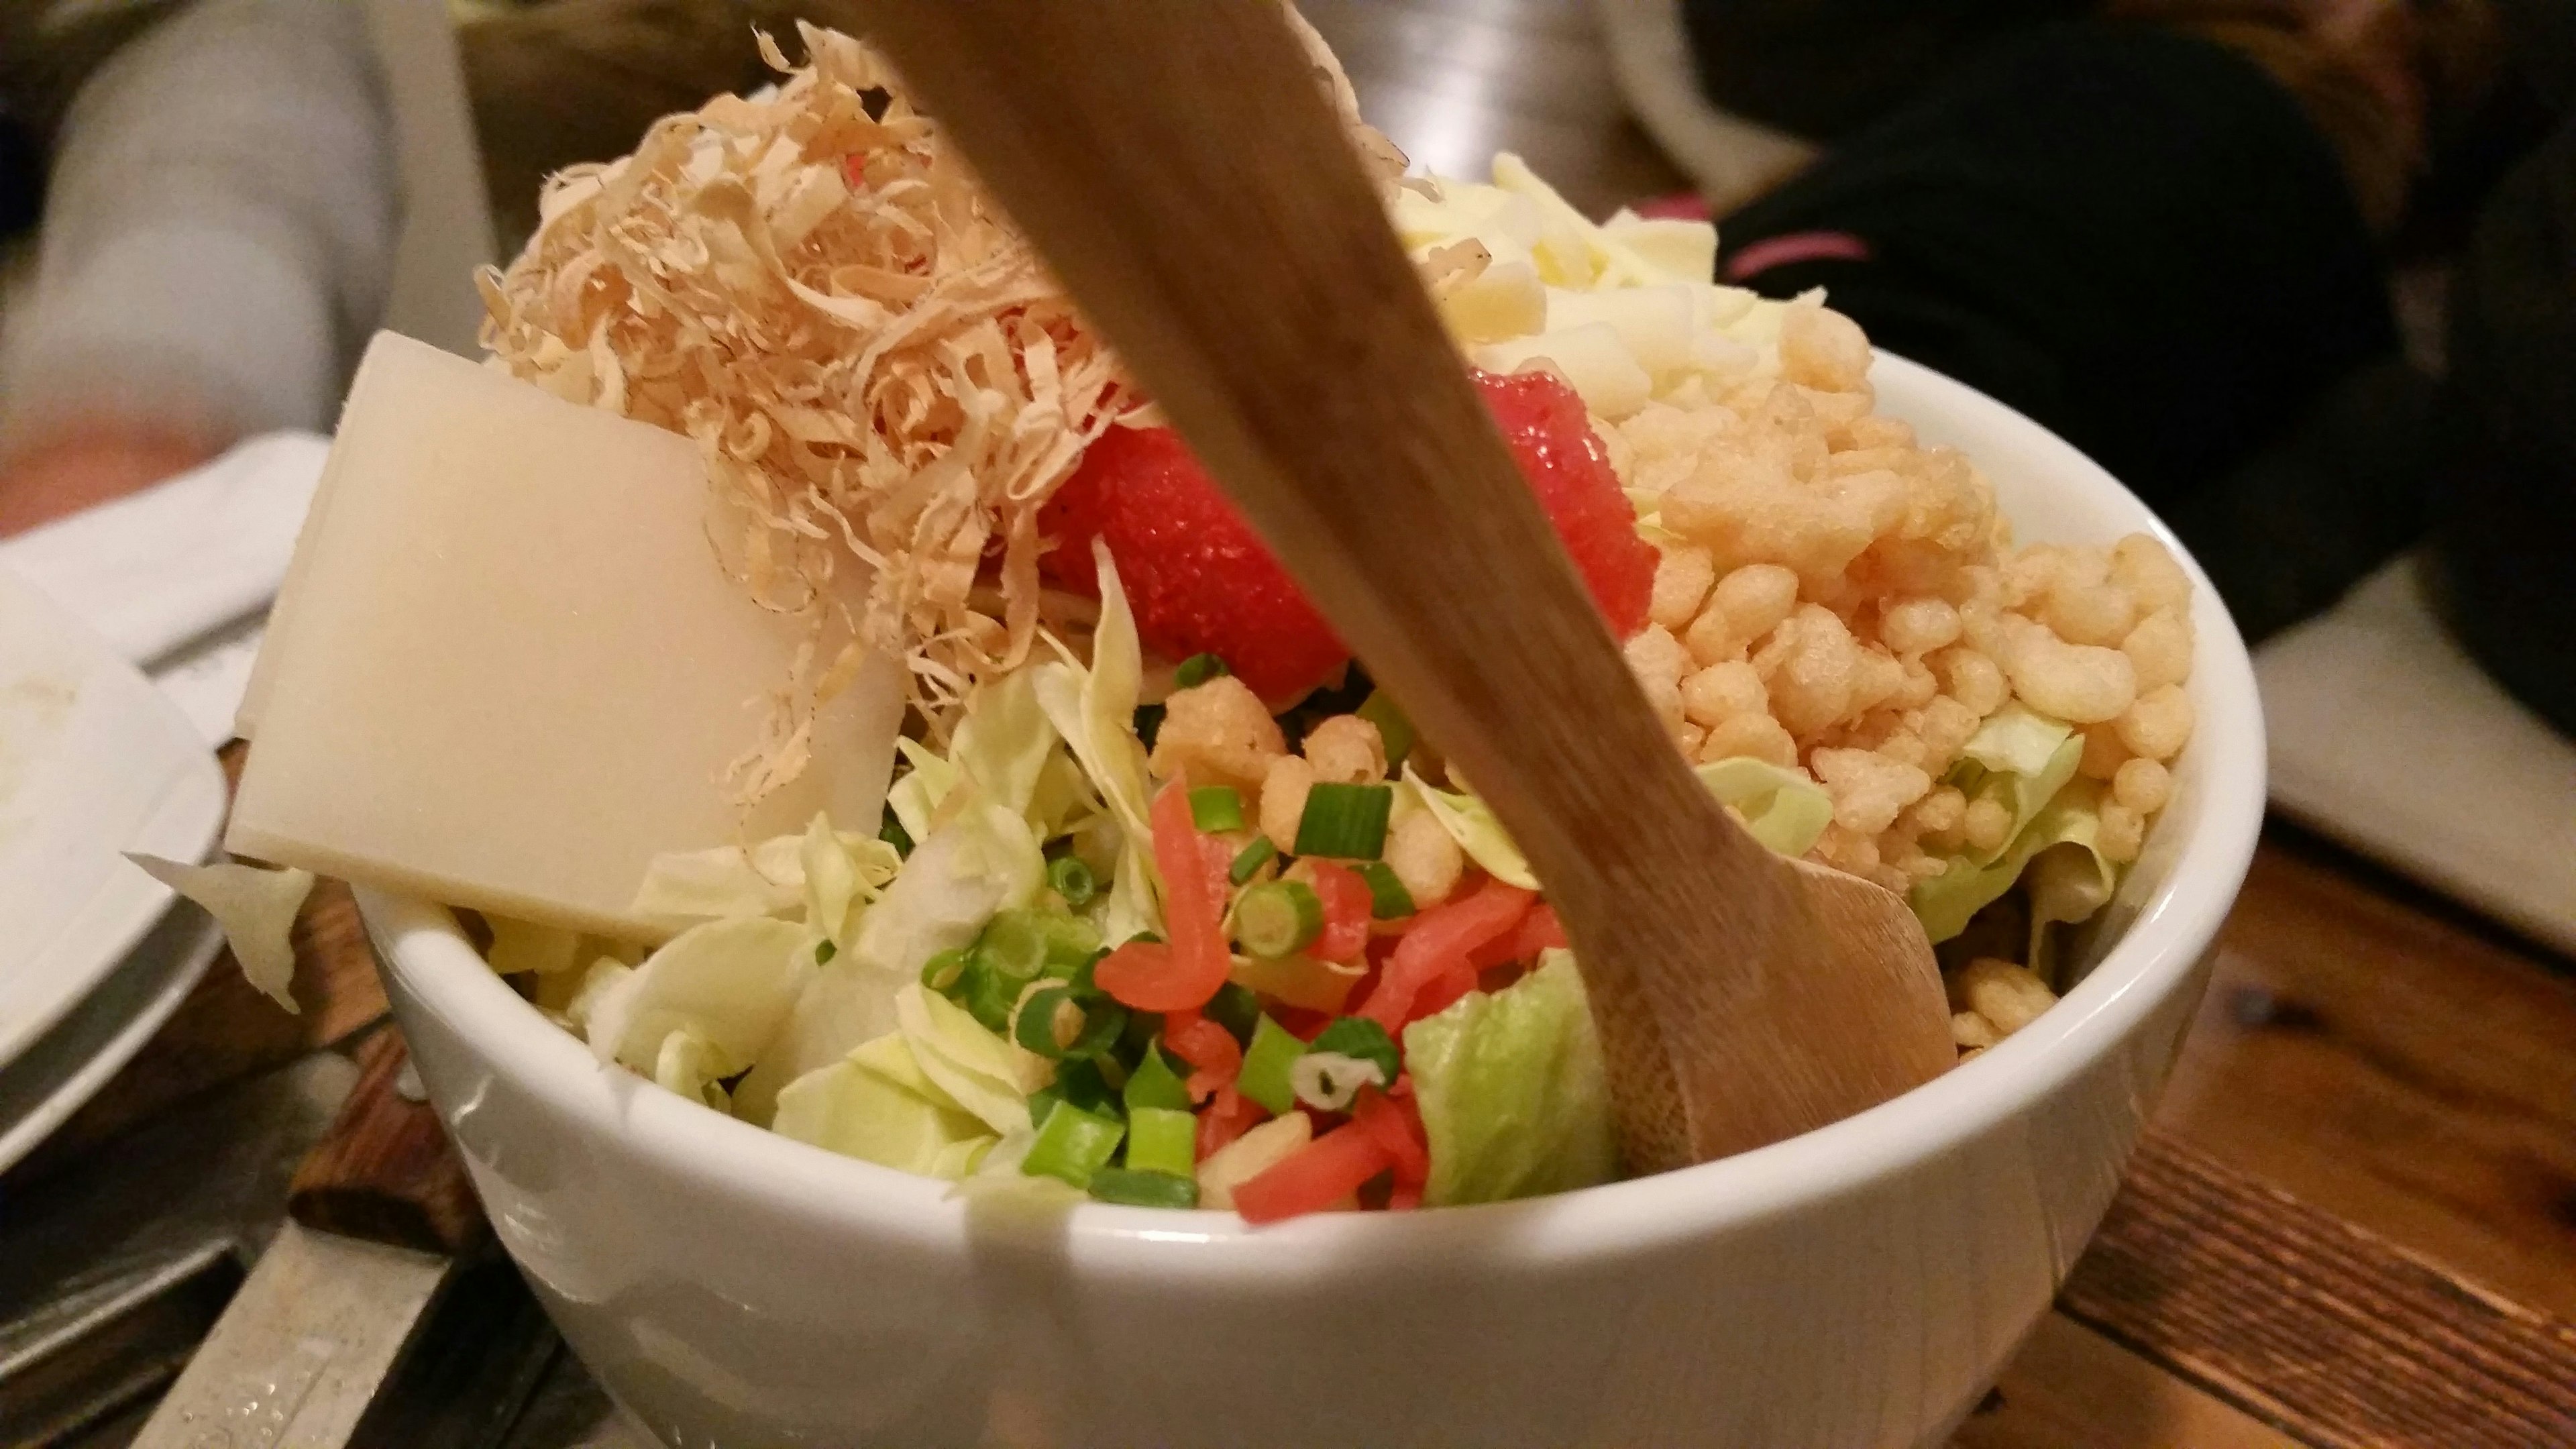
2354,1222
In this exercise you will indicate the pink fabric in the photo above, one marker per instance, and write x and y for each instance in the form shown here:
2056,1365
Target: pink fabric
1797,246
1682,206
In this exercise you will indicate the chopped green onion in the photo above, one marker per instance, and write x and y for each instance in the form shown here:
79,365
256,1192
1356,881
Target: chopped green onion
941,971
1357,1036
987,995
1129,1188
1075,974
1330,1081
1249,860
1392,727
1154,1084
1345,822
1216,807
1072,1144
1086,1086
1071,943
1235,1008
1388,899
1072,880
1198,669
1266,1064
1014,945
1096,1026
824,951
893,833
1160,1139
1278,918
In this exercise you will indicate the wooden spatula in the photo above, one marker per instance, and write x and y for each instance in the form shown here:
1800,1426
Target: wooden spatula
1178,163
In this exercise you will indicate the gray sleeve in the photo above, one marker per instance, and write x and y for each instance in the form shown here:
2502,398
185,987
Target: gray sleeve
219,228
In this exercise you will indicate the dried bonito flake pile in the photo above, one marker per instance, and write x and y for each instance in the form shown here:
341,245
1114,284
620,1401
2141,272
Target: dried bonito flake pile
875,363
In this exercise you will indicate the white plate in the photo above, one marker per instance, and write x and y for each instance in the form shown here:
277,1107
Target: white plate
93,762
65,1067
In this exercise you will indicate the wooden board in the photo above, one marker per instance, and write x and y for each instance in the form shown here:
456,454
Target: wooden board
2395,1062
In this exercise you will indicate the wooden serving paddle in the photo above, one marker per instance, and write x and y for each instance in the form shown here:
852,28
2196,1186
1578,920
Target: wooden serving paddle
1179,165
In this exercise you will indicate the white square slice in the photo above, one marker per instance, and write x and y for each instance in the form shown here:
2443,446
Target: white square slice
509,669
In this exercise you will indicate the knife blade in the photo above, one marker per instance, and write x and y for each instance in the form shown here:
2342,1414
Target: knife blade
382,1224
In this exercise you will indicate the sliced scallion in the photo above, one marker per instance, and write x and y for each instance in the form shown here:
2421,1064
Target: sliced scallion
1013,945
1393,729
1358,1036
941,971
1249,860
824,951
1055,1026
1216,807
1073,1144
1235,1008
1278,918
1266,1065
1329,1081
1198,669
1085,1086
1154,1084
987,995
1160,1139
1071,943
1130,1188
1072,880
1345,822
1388,899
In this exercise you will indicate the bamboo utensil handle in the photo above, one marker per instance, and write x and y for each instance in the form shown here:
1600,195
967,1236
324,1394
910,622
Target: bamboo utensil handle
1177,162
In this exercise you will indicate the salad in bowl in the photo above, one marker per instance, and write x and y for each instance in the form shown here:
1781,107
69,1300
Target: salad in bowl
1168,905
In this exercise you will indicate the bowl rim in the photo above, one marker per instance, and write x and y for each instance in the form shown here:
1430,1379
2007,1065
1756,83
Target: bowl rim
428,959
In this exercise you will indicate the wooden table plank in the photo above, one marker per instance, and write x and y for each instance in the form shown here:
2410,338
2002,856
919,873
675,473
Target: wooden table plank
2071,1388
2396,1064
2314,1324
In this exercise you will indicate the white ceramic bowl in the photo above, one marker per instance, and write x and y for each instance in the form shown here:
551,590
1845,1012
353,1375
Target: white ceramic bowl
1858,1286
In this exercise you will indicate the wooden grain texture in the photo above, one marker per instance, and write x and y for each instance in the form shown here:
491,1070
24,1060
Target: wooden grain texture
385,1170
2071,1388
1454,81
2385,1057
2307,1320
1185,176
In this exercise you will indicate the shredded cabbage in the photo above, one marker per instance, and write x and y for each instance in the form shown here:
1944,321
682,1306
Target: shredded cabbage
254,906
1514,1097
771,878
982,861
2019,758
976,1069
2072,818
1471,823
1095,711
1783,809
852,1108
731,982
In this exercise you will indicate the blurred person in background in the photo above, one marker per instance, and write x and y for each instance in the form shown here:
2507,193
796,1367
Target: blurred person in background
214,181
2166,229
199,203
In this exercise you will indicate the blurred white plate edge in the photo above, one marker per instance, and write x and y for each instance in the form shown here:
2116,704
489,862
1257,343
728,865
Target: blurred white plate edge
58,1075
94,761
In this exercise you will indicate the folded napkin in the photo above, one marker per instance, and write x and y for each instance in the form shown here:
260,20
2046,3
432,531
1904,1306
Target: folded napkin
179,576
2385,735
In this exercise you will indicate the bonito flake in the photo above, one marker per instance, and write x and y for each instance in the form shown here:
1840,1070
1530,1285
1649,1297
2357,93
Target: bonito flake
878,368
